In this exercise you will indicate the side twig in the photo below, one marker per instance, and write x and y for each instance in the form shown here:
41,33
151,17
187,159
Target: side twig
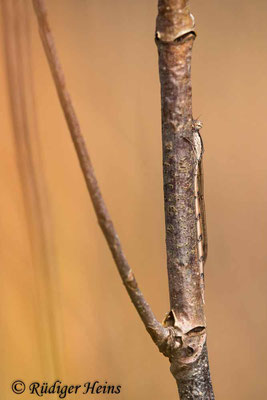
155,329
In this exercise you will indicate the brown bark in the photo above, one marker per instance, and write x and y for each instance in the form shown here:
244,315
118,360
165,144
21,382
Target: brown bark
174,38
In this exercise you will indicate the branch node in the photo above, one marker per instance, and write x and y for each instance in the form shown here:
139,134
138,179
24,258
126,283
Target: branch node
174,20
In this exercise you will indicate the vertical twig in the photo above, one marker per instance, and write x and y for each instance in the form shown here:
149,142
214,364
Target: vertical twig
174,37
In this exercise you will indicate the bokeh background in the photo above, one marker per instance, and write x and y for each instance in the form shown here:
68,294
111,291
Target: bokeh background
64,311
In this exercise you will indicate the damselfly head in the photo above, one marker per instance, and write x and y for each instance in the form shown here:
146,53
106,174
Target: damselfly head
197,124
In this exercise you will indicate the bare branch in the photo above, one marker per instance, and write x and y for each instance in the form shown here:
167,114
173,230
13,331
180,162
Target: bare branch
155,329
183,339
181,161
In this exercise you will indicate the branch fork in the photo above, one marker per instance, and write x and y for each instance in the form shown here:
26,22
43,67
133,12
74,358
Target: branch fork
182,336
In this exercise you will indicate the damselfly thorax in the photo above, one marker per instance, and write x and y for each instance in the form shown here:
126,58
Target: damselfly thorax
202,243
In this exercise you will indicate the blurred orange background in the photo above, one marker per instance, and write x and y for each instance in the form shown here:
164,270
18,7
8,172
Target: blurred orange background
64,311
